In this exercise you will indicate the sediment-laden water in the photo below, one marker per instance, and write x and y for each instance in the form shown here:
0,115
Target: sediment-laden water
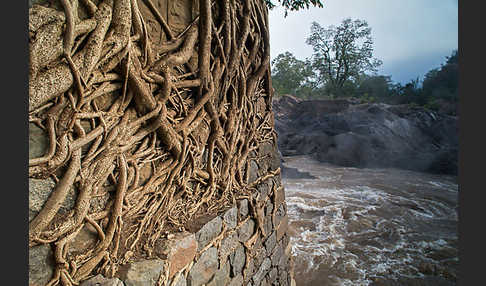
353,226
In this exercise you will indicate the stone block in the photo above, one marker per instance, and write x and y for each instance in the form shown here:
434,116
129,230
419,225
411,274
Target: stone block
86,238
270,242
253,172
41,264
238,259
278,252
228,245
204,268
272,275
243,208
38,141
236,281
142,273
231,217
248,271
268,208
222,276
179,249
180,280
262,271
267,225
39,192
100,280
246,230
279,197
208,232
282,227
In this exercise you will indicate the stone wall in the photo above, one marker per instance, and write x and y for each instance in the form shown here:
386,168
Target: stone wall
227,250
247,244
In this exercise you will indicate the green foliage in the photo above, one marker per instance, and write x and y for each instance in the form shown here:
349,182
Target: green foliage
342,53
290,75
378,85
443,82
294,5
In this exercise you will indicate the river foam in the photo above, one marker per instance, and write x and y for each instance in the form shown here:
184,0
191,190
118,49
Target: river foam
359,226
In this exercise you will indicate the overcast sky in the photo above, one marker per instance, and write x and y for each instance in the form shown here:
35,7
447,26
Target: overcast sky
410,37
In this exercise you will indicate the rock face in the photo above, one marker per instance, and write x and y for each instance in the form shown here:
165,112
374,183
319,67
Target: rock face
367,135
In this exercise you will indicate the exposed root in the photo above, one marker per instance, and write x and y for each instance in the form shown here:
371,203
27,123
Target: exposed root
171,126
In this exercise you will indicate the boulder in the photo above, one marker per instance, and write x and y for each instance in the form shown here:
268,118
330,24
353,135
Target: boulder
368,135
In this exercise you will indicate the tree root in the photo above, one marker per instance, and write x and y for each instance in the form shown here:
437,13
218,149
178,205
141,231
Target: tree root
171,126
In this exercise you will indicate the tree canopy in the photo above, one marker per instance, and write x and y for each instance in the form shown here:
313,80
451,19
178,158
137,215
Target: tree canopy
289,74
294,5
342,52
443,82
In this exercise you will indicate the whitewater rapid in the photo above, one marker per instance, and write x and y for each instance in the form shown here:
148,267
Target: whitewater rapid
353,226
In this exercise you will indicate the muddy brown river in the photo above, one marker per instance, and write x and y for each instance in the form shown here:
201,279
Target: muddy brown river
353,226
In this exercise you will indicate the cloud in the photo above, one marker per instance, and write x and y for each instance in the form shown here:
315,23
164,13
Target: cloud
403,31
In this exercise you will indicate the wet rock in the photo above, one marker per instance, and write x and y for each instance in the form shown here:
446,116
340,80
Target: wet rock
208,232
100,280
41,265
179,249
205,267
142,273
427,268
293,173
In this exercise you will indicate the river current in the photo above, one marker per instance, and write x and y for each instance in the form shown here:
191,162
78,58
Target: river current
353,226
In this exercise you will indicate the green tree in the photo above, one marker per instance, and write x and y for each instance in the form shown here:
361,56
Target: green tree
294,5
376,85
289,74
342,53
443,82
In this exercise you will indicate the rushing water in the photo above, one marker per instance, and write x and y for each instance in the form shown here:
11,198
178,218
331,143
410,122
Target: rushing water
353,226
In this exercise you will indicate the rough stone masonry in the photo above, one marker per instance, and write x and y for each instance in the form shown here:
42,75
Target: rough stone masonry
227,250
245,244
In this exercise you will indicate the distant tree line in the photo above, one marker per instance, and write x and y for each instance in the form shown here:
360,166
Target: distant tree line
342,65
